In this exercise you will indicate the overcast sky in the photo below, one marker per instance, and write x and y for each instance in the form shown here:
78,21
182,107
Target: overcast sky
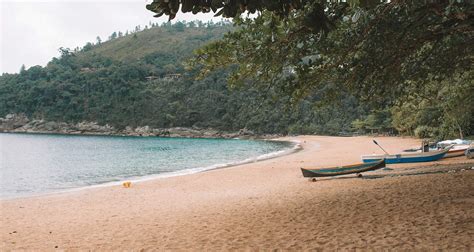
32,31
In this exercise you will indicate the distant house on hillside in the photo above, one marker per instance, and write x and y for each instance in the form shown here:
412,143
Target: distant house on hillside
150,78
171,77
167,77
88,70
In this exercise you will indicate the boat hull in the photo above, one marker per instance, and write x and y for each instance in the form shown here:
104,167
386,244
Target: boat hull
343,170
455,153
407,158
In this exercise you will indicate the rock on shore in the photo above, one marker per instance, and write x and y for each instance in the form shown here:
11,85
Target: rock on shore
20,123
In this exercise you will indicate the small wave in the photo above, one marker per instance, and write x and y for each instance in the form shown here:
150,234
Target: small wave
158,148
296,146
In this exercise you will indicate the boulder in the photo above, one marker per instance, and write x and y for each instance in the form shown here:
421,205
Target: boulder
246,132
13,121
51,126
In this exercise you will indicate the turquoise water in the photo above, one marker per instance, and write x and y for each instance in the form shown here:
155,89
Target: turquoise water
32,164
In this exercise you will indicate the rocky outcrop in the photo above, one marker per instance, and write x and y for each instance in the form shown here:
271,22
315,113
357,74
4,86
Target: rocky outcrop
13,121
21,123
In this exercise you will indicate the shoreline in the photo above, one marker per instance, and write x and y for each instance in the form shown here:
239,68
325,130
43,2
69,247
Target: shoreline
296,146
182,132
20,123
261,206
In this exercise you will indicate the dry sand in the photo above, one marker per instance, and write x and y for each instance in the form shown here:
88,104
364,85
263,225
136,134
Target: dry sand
262,206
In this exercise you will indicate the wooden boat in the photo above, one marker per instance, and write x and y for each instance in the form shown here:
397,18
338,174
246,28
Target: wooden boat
343,170
408,157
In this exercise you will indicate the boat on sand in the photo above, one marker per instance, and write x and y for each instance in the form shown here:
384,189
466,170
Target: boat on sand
457,150
343,170
407,157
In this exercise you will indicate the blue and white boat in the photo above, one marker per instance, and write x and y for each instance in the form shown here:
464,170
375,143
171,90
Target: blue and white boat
407,157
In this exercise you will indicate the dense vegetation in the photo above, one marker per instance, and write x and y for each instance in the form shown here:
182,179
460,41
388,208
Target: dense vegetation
107,82
409,61
295,70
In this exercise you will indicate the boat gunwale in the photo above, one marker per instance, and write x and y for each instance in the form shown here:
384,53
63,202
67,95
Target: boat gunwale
344,170
406,155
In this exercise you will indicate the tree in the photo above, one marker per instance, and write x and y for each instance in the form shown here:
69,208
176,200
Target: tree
98,40
65,52
113,36
87,47
179,26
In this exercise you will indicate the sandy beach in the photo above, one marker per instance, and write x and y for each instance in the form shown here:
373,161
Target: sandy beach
265,205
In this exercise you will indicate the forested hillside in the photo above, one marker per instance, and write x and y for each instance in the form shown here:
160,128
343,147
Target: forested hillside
140,79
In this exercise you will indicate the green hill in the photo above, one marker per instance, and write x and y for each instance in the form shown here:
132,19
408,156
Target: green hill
139,79
176,40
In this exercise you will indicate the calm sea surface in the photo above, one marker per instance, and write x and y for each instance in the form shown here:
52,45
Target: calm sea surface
32,164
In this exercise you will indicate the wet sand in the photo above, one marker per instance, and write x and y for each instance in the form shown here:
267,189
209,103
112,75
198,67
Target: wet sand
262,206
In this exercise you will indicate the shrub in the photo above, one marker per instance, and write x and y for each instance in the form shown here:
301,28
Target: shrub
425,132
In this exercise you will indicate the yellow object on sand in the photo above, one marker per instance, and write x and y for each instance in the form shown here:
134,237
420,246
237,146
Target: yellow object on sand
127,184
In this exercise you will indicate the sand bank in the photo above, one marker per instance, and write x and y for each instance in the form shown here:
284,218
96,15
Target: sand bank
264,205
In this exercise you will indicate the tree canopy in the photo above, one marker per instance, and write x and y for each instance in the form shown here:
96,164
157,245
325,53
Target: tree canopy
387,54
221,8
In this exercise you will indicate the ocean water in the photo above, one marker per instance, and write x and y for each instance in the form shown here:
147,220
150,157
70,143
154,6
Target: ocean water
34,164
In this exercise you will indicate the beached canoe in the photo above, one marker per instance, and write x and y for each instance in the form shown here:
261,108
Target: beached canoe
407,157
343,170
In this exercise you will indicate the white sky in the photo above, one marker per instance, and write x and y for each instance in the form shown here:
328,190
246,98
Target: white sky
32,31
